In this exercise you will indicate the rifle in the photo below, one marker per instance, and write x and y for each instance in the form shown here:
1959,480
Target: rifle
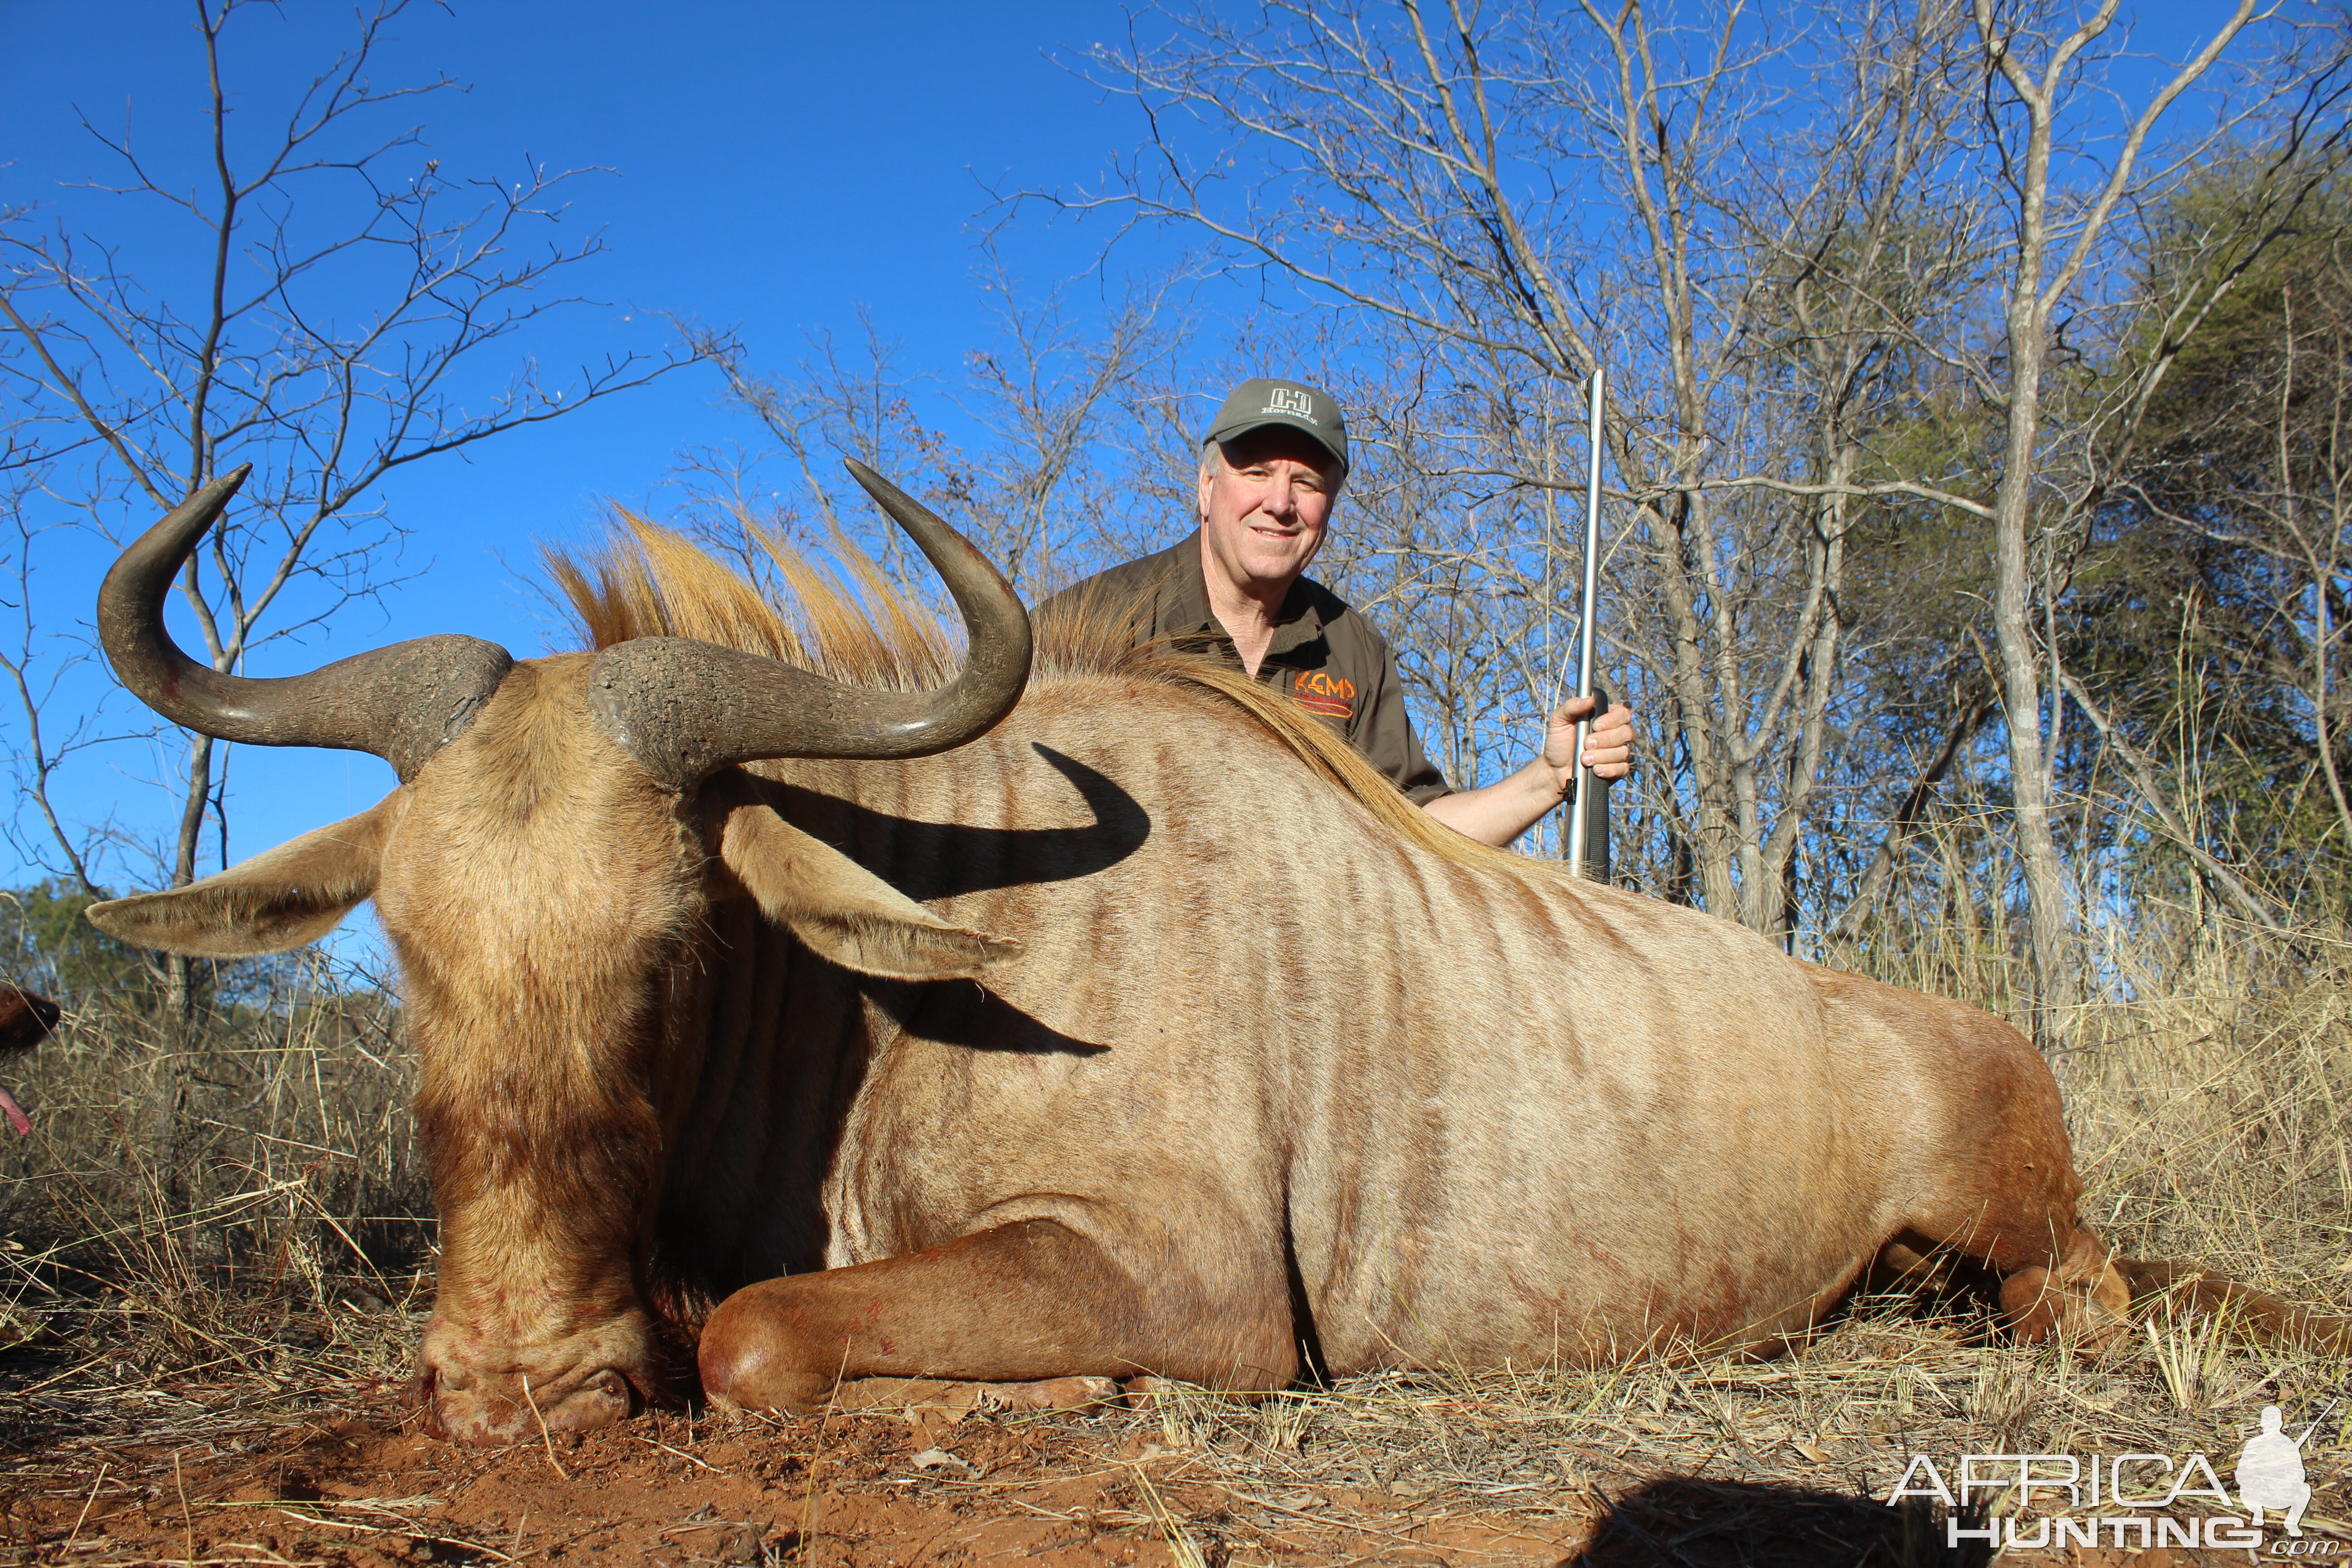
1587,829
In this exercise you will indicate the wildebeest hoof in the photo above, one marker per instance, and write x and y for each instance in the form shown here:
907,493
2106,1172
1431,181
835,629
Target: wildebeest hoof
1051,1393
2088,1315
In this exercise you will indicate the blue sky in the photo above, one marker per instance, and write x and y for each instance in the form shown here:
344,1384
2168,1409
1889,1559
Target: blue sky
776,167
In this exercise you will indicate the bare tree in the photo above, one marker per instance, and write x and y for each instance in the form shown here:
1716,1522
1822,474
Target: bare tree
2219,560
2057,261
1042,409
2310,512
329,320
1437,170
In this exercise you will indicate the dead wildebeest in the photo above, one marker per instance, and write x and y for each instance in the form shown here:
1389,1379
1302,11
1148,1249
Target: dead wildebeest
836,1027
26,1019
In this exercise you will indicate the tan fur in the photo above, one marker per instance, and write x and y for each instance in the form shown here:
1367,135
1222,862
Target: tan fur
1283,1072
654,583
532,884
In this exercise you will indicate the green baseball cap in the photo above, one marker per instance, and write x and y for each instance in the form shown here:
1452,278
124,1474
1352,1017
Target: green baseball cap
1257,403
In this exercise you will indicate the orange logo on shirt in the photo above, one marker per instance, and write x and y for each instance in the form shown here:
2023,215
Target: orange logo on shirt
1328,695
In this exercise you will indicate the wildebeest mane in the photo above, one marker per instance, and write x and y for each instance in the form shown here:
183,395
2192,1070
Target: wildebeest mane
853,624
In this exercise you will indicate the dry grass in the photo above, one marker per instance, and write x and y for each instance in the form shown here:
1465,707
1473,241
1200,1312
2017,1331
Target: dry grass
222,1229
267,1261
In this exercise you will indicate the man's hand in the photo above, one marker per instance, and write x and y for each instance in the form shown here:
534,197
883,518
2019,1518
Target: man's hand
1608,746
1501,812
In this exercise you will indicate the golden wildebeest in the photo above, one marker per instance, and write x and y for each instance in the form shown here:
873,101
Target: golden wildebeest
1145,1030
26,1019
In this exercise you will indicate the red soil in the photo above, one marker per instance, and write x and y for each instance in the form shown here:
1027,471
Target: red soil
907,1483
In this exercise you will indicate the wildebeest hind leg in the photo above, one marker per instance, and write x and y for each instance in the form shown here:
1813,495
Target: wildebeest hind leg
2052,1276
2049,1280
2077,1294
1989,1173
1027,1302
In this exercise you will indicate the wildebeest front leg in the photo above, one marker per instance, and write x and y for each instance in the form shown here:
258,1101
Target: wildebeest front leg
1022,1303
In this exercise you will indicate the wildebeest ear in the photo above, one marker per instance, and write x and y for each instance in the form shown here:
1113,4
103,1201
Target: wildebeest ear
278,899
842,911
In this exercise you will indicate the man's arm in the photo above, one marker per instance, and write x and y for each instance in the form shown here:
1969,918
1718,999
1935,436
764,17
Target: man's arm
1500,811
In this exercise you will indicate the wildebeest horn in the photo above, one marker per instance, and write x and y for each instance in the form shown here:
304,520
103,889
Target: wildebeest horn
686,709
403,704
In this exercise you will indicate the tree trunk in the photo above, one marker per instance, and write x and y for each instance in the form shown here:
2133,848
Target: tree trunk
2018,655
1971,711
2035,287
183,1011
1711,841
180,972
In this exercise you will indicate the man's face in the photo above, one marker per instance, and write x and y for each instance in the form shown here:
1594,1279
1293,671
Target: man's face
1266,497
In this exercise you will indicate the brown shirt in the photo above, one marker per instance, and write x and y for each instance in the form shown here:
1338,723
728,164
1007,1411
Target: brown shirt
1325,657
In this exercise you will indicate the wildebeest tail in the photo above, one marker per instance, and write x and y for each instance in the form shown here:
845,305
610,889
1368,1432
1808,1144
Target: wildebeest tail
2176,1288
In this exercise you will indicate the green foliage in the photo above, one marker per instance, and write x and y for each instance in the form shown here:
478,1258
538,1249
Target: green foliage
48,946
2209,599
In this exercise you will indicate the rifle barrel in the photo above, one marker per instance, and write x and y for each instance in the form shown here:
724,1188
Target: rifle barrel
1580,811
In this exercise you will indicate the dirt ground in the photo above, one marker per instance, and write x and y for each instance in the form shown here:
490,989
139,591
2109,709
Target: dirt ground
916,1474
204,1429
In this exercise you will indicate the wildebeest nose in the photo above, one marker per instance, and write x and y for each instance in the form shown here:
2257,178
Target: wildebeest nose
460,1409
607,1397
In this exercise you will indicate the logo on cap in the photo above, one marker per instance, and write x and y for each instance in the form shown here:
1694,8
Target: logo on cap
1287,400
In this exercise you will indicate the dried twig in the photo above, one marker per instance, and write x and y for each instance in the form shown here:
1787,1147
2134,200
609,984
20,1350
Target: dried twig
544,1435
